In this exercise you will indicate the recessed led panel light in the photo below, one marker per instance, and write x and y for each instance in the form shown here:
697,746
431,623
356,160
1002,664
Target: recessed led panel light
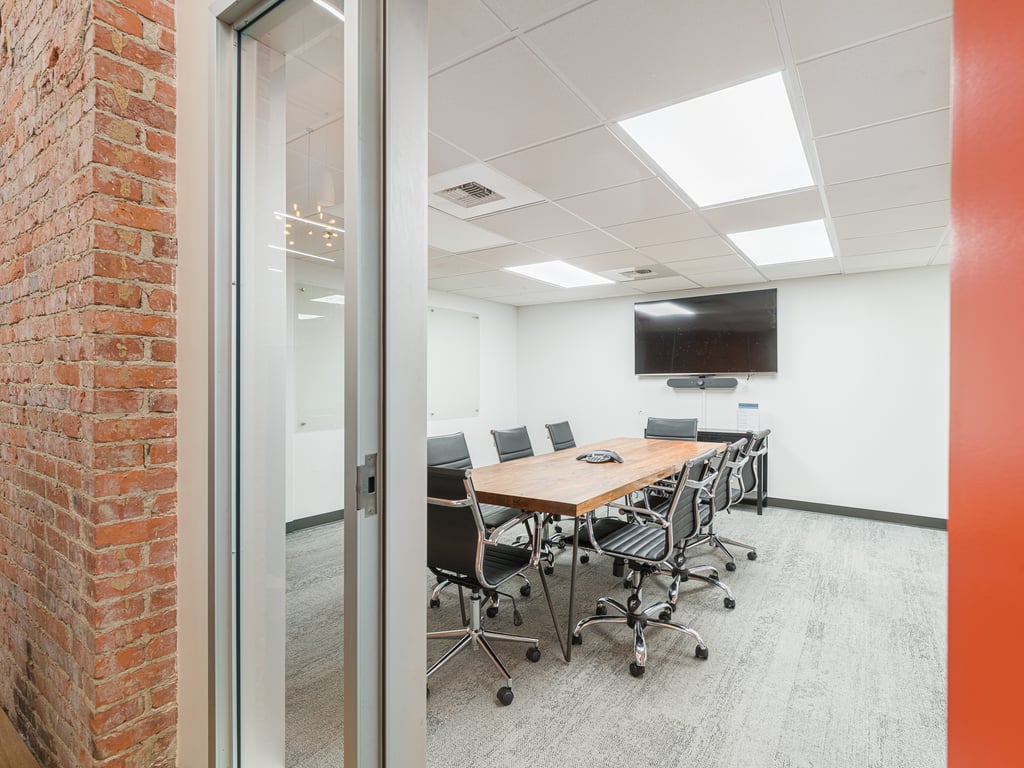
334,298
663,309
806,241
729,145
559,273
309,317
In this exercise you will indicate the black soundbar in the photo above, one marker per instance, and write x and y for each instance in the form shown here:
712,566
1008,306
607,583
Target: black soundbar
702,382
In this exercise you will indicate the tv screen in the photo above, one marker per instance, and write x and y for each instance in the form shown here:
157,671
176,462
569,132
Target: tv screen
725,333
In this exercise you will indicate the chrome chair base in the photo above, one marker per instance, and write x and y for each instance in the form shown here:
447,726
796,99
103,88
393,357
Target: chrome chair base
475,634
639,619
715,541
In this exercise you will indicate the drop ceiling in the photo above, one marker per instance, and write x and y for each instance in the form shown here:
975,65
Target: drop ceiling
525,99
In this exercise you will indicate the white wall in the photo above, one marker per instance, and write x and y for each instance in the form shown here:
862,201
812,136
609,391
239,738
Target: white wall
498,379
859,408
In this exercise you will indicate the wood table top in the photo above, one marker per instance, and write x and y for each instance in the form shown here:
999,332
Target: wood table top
556,483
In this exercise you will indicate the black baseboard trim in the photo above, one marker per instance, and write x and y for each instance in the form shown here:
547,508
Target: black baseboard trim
311,522
918,521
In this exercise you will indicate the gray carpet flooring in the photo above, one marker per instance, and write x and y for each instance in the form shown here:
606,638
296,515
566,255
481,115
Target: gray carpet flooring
834,657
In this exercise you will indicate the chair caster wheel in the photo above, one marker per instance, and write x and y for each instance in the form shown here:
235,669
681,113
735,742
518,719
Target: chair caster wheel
636,670
701,652
549,570
440,579
584,559
505,695
627,584
730,566
751,555
525,590
492,611
561,545
601,610
577,639
730,603
558,529
533,654
435,602
665,615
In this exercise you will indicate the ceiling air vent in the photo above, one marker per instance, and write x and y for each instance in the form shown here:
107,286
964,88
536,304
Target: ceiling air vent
470,194
636,274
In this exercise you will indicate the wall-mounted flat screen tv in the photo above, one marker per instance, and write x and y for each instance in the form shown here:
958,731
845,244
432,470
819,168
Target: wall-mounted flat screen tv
724,333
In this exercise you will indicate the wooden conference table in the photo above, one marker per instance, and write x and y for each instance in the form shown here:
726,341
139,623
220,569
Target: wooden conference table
558,484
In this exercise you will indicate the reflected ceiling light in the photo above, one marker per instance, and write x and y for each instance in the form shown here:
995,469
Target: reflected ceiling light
309,317
559,273
663,309
330,9
300,253
729,145
309,221
334,298
274,269
805,241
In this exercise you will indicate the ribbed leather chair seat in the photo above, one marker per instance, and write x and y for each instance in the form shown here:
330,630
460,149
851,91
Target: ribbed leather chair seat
502,561
643,541
603,527
495,515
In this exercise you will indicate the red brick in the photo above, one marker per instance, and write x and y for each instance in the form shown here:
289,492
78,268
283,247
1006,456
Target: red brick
134,531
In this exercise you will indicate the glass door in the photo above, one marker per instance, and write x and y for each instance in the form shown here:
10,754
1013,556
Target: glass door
329,287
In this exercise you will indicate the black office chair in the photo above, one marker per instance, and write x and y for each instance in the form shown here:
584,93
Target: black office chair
561,436
671,429
715,500
644,543
452,452
512,444
461,550
748,478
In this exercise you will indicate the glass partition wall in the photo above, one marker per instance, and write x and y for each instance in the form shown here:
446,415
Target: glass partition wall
291,394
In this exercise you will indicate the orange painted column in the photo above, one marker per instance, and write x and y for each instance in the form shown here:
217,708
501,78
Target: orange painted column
986,515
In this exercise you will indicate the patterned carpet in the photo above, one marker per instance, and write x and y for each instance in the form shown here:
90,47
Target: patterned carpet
834,657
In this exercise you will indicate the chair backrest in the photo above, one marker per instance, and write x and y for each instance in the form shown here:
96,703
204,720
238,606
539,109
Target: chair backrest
756,445
683,512
671,429
455,530
512,443
448,451
561,436
721,490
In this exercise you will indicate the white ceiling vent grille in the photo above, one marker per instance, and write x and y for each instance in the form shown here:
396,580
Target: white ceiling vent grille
470,195
632,274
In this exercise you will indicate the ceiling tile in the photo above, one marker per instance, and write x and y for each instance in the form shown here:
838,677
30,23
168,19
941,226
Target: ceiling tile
641,200
449,266
659,284
904,219
507,256
923,185
713,264
789,208
532,222
916,257
819,26
665,229
460,282
903,145
484,292
942,255
895,241
458,27
523,13
729,277
579,244
442,156
491,103
605,262
586,162
801,269
704,248
455,235
507,282
901,75
627,57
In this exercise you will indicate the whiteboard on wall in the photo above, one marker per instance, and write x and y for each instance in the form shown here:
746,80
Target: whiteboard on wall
453,364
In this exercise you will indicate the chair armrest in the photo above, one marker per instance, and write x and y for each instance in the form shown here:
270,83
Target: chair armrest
641,513
507,526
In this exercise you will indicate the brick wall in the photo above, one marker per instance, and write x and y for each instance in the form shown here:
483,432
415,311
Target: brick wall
88,508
